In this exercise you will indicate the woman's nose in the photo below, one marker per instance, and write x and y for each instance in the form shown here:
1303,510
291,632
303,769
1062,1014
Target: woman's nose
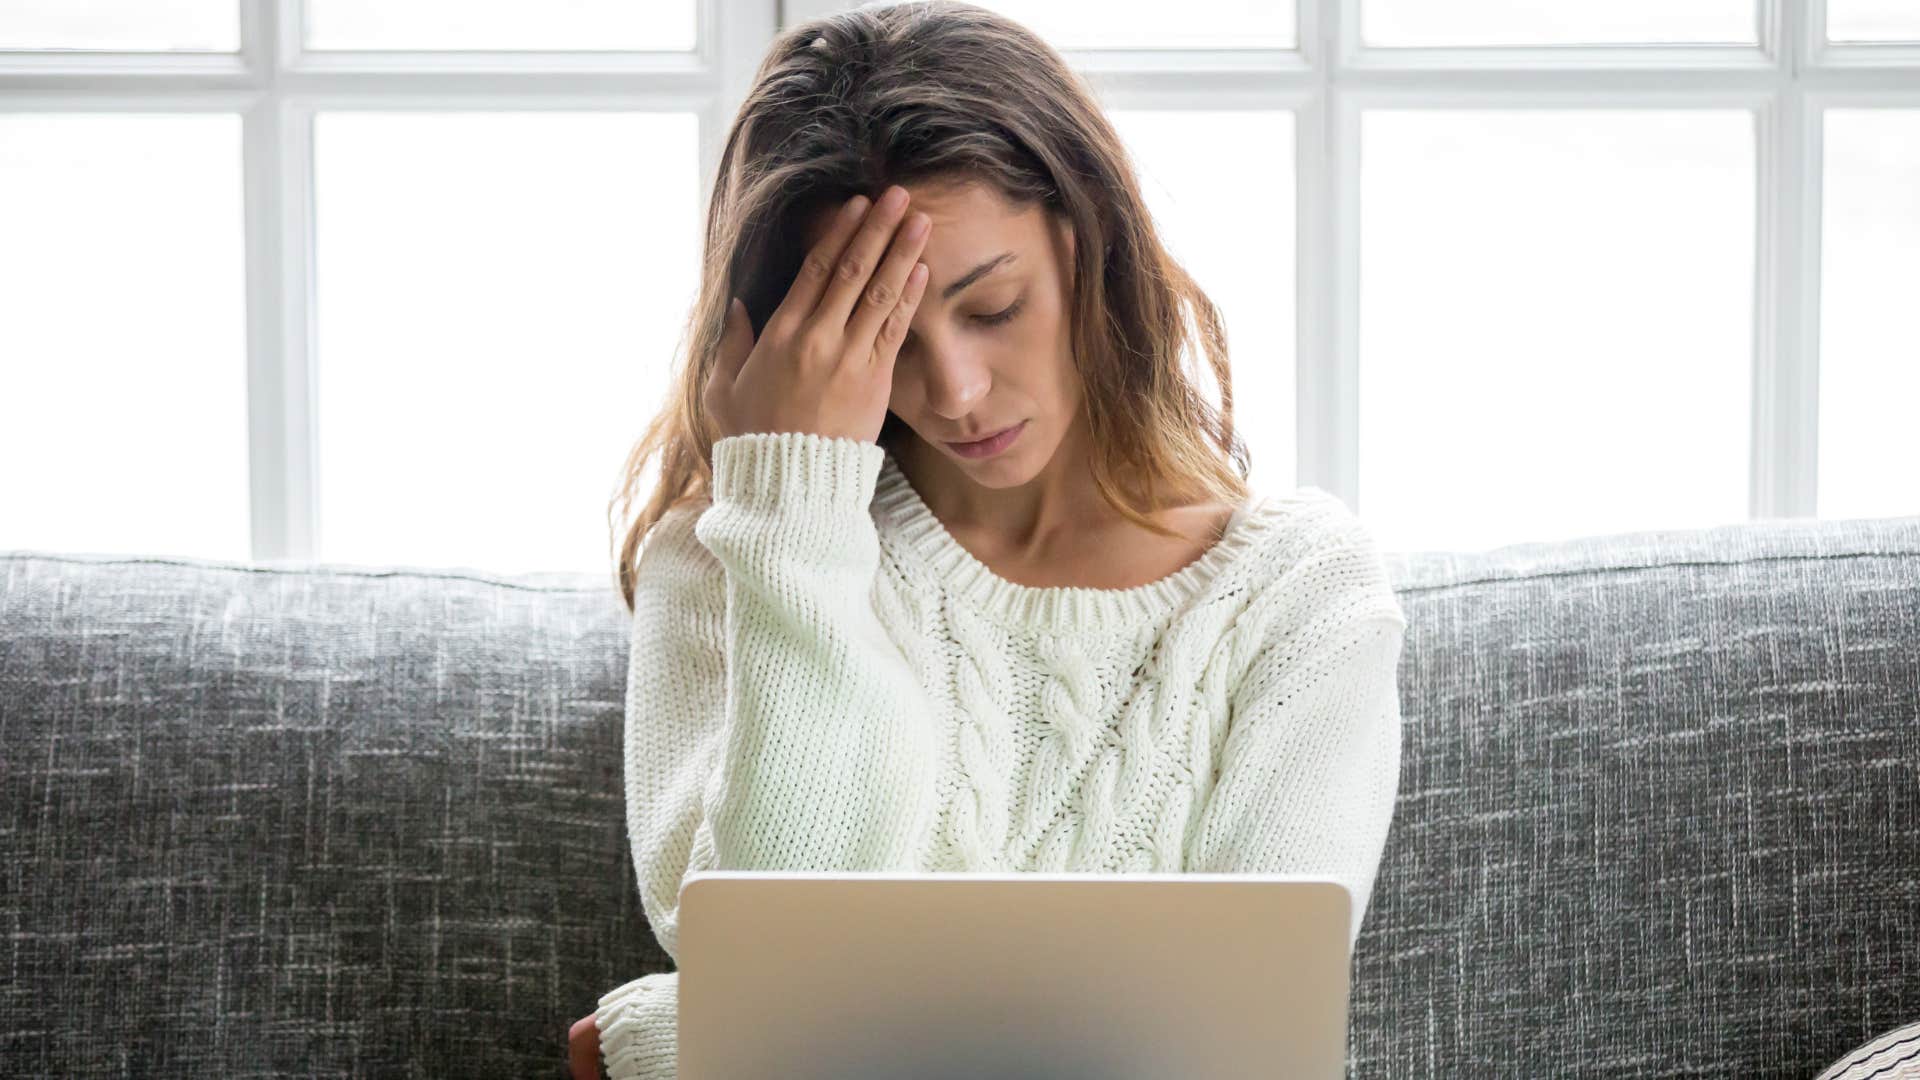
955,379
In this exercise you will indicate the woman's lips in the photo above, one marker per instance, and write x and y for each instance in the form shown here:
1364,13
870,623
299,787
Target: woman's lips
990,445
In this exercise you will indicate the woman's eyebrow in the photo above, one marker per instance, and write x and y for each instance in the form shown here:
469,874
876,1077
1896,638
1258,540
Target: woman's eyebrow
977,273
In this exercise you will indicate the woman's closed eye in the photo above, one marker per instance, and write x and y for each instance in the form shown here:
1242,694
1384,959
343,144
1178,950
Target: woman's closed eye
1003,315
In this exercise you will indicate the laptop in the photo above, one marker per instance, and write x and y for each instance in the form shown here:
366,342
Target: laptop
1018,976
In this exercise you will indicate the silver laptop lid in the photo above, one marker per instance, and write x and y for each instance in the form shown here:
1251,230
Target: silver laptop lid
1070,976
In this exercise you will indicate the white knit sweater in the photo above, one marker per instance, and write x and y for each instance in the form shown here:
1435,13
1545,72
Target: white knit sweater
822,678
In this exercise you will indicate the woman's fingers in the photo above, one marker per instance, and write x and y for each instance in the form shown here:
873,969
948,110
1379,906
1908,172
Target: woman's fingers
816,270
583,1049
735,345
853,270
845,314
886,293
893,330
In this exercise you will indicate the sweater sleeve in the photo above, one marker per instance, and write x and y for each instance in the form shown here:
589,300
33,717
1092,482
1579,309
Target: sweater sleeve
771,722
1309,768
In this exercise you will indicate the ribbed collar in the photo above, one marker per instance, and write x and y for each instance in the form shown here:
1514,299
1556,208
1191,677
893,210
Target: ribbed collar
900,511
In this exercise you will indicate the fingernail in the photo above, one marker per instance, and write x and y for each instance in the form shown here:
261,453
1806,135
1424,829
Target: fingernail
854,206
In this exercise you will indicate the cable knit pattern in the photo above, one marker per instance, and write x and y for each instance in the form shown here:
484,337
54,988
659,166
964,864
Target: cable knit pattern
823,678
1068,704
977,827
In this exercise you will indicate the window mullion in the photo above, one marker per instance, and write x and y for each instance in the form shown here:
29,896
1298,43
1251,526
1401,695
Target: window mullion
276,185
1327,407
1786,399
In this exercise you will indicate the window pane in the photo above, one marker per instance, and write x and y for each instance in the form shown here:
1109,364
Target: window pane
1220,188
1873,20
500,24
123,325
131,25
1400,23
1200,24
1869,342
499,297
1556,323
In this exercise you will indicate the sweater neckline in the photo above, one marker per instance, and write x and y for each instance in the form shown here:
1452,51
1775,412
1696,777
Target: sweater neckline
913,522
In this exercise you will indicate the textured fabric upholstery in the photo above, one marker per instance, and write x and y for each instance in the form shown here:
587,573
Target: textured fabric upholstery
1659,808
1893,1056
1659,813
317,822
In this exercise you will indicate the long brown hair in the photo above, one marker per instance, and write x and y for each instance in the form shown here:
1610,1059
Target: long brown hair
926,91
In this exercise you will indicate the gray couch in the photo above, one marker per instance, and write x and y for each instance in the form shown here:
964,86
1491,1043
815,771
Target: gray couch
1659,813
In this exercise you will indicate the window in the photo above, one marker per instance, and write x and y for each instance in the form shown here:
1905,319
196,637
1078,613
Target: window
332,279
381,283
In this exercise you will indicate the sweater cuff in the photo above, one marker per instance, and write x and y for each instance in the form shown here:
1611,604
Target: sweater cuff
639,1028
765,468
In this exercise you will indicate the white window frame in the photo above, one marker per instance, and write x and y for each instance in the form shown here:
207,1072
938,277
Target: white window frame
1787,81
276,87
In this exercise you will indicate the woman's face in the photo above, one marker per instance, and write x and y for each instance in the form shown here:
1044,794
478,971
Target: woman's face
990,344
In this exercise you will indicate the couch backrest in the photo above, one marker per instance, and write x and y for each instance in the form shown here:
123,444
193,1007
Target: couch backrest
1659,808
325,821
1659,812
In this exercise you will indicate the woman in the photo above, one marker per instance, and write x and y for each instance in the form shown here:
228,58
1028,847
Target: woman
863,641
